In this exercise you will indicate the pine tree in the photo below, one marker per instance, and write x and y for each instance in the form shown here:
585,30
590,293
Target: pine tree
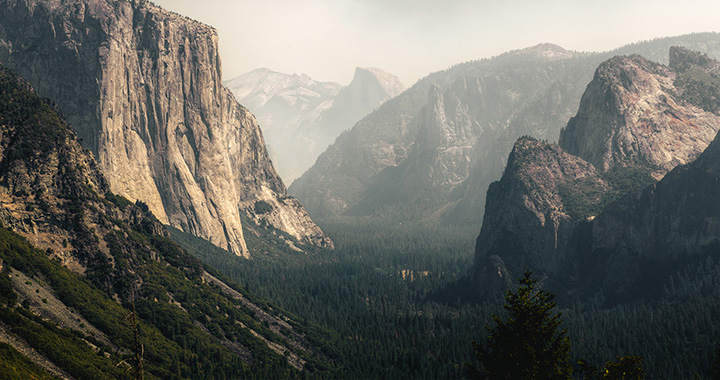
715,369
529,344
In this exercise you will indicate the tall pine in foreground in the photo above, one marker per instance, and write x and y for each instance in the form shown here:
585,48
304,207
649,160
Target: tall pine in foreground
529,343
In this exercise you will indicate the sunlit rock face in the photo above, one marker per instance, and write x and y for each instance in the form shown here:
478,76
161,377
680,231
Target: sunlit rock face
142,87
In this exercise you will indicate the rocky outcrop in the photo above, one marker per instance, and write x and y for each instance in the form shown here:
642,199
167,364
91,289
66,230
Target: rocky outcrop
369,88
632,112
570,219
142,87
49,183
300,117
532,213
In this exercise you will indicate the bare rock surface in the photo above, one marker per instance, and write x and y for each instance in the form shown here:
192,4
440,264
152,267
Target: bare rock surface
142,87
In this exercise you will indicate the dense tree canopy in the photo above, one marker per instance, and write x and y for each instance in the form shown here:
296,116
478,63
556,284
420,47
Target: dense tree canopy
529,343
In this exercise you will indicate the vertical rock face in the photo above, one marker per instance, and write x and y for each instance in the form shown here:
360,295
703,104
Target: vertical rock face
142,86
632,111
300,117
568,210
532,212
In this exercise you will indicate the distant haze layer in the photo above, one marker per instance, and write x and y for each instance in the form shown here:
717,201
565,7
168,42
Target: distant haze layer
327,39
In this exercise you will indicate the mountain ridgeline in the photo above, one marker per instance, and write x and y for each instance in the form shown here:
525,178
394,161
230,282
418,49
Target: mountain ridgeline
92,288
300,117
142,87
429,155
623,200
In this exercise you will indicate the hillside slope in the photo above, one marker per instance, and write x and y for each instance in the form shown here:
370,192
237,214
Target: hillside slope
83,264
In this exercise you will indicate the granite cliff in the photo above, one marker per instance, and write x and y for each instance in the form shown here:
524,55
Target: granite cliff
632,111
142,87
564,214
533,212
421,155
77,260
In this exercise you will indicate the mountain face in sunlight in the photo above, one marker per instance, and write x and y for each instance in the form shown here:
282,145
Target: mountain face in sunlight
142,87
300,117
80,261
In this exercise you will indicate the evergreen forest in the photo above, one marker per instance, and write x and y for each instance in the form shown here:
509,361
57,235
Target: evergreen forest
393,305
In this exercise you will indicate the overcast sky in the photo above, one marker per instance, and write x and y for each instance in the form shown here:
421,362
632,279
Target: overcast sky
327,39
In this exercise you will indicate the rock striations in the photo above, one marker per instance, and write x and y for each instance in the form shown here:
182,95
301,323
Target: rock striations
142,87
578,210
300,117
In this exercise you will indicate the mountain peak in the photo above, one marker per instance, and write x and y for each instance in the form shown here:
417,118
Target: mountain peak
633,112
389,83
547,51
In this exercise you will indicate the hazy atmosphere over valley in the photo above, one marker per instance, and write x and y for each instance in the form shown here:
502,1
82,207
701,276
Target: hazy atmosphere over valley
359,189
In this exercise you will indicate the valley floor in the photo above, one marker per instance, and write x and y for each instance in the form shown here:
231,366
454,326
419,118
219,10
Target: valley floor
393,303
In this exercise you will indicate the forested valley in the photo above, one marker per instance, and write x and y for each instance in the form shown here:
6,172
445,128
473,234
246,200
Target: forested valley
382,297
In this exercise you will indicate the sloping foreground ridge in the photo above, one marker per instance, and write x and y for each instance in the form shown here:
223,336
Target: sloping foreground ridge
92,288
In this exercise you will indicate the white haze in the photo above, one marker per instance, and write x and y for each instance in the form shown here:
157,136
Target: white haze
327,39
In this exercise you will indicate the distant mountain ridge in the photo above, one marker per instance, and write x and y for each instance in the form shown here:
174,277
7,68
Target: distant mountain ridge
429,155
300,117
142,86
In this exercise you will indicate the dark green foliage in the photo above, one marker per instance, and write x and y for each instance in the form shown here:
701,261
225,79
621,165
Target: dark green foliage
715,368
174,346
262,207
624,368
528,343
701,88
390,327
629,178
118,200
60,346
38,127
582,198
386,326
675,334
15,366
8,297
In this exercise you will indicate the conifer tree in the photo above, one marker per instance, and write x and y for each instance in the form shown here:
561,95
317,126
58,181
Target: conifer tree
529,343
715,369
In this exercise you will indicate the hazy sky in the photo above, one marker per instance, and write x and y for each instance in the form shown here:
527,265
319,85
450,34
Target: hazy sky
327,39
